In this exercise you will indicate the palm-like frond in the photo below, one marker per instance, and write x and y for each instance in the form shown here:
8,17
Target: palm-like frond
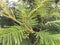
10,14
24,15
27,19
53,25
13,35
48,38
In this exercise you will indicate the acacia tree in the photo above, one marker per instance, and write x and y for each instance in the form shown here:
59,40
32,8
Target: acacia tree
39,25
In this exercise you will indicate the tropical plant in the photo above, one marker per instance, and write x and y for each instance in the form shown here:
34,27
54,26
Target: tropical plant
37,25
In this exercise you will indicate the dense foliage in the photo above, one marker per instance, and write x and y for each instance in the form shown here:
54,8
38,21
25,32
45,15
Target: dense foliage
34,22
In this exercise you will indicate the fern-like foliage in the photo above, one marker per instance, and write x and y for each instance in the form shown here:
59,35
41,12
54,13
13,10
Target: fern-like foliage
13,35
48,38
26,18
24,12
53,25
